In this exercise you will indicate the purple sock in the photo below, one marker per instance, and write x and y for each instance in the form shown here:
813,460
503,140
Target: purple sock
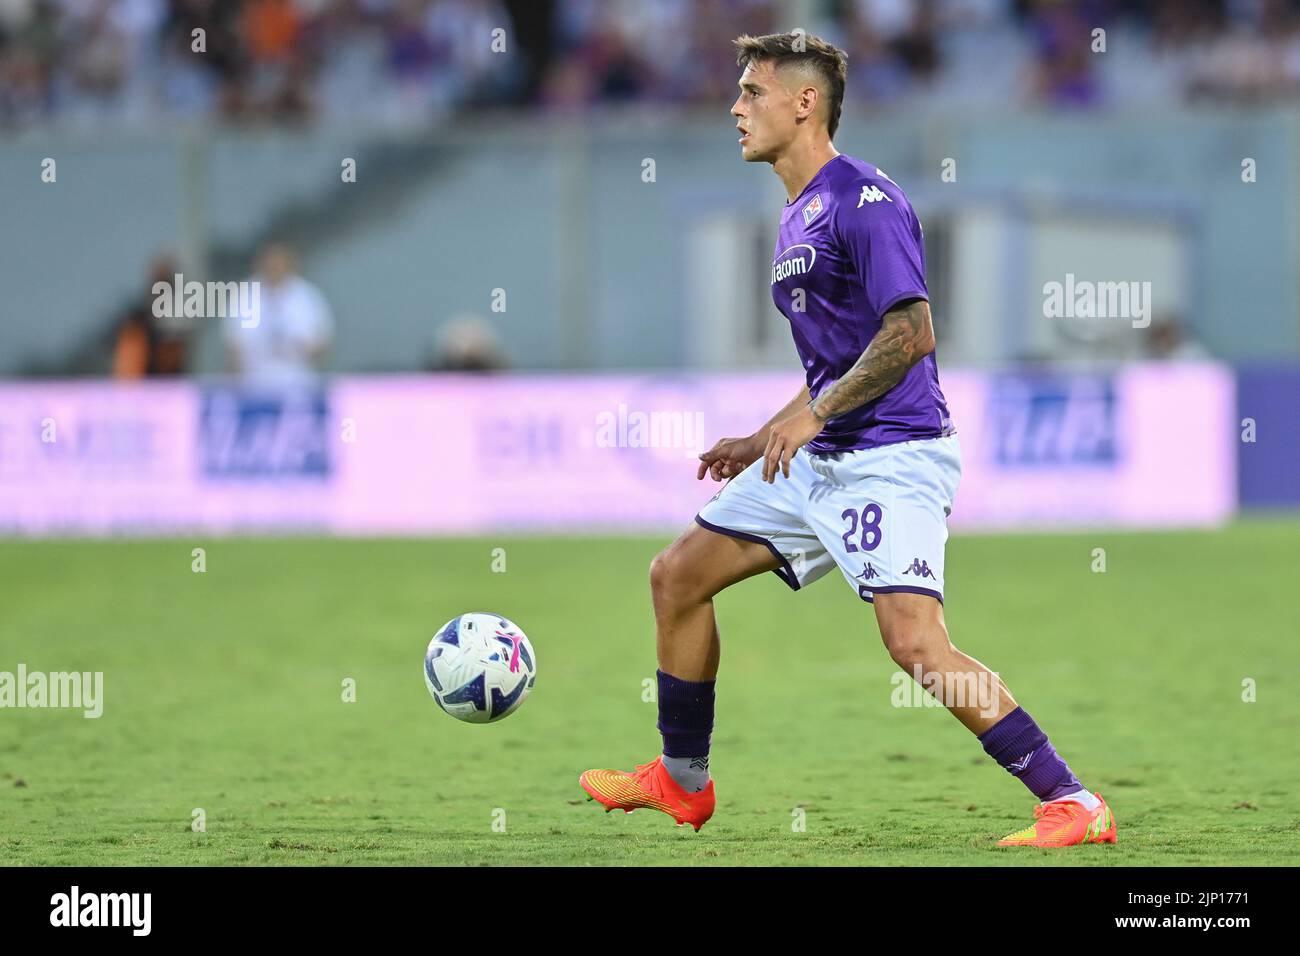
685,715
1024,751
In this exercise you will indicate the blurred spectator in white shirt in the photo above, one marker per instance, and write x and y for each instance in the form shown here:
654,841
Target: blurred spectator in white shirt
287,339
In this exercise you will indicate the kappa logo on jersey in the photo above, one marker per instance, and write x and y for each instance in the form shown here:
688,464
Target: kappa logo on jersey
793,261
872,194
813,209
868,572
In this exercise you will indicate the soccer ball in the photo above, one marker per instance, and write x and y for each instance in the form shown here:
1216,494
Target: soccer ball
479,667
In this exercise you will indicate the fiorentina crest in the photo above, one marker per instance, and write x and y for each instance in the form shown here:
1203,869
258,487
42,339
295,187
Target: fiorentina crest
813,209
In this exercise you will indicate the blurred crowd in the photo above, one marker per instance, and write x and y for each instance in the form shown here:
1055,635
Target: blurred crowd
412,60
248,60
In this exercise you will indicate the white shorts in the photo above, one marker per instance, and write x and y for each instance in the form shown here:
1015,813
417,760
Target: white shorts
879,513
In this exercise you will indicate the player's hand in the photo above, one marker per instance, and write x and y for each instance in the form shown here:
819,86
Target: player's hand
787,437
729,457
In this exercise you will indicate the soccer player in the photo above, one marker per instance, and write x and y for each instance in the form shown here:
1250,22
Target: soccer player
859,470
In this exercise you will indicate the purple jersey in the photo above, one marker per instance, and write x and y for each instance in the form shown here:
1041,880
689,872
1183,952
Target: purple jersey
849,250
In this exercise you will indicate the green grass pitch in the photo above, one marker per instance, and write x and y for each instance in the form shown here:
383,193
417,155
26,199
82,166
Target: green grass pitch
223,692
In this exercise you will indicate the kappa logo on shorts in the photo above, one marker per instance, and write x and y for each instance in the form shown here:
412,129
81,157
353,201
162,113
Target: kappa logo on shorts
868,572
921,569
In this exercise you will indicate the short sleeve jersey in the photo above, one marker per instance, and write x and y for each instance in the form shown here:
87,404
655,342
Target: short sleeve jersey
849,249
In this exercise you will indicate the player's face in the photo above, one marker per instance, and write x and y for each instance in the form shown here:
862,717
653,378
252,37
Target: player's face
765,114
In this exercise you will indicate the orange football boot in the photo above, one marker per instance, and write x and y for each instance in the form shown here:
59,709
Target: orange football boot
1065,823
651,786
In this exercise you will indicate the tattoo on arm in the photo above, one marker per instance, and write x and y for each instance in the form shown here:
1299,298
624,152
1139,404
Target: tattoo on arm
906,336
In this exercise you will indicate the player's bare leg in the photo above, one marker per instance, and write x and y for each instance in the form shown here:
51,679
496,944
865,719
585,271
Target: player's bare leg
913,629
684,578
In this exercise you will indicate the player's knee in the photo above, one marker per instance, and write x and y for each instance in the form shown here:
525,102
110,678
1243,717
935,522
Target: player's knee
912,642
674,581
659,572
667,578
905,649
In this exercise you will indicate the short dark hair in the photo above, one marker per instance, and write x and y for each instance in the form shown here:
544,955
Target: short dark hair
801,49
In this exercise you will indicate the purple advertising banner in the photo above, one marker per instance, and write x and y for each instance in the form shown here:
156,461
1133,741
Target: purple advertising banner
1268,455
459,454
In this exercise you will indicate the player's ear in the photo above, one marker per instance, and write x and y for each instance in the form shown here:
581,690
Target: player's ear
809,97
